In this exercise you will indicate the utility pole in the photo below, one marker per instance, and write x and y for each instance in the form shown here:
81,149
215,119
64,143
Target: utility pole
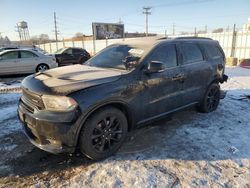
146,12
233,41
120,21
173,29
56,30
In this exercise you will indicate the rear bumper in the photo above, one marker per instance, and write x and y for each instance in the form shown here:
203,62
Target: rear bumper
223,79
49,131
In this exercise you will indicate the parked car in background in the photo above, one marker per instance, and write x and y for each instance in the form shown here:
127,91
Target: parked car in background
20,61
7,48
125,86
39,50
70,56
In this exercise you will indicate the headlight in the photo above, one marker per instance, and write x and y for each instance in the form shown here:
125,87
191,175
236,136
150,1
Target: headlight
58,103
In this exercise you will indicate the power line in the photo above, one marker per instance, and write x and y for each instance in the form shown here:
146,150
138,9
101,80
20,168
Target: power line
147,12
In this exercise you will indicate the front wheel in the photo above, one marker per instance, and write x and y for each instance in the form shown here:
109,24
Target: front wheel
103,133
42,67
211,99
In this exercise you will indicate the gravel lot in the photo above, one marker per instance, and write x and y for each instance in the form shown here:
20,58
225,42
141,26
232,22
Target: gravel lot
190,150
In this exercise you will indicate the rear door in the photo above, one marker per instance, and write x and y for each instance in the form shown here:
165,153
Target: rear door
162,90
196,70
78,55
9,62
215,56
68,57
28,62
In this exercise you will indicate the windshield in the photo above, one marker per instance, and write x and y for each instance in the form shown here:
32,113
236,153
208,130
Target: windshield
113,57
60,51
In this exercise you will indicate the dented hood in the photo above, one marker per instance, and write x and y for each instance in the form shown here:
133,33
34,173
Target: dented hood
65,80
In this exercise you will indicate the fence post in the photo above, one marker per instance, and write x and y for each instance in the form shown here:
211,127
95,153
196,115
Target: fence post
50,48
233,41
246,44
63,43
106,41
83,46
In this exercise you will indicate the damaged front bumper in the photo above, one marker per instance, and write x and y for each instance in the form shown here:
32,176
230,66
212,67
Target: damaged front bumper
54,132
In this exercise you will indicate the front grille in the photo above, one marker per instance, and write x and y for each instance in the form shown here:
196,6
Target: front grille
25,105
32,100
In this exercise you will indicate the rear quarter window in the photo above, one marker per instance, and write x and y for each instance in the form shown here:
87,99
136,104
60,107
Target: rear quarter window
191,53
212,51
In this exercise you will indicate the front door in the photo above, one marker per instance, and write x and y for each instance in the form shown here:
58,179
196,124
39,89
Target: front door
68,57
162,90
9,62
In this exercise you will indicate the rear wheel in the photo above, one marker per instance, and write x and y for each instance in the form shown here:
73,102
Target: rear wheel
42,67
103,133
83,60
211,99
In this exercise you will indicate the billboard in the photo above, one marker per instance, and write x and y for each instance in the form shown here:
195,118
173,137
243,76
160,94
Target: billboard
107,30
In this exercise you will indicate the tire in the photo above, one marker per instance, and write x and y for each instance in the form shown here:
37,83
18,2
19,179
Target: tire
211,99
42,67
103,133
83,60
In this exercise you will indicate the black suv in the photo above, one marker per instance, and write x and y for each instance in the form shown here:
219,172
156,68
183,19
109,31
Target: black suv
69,56
126,85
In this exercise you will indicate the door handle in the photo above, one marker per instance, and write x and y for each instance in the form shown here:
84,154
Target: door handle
178,77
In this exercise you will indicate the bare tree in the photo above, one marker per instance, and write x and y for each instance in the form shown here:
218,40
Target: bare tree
44,38
34,39
218,30
184,33
79,34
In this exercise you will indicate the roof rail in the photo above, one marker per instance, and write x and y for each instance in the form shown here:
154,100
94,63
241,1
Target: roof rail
163,38
193,37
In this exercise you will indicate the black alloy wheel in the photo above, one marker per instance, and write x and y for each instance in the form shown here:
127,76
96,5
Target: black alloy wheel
106,134
211,99
103,133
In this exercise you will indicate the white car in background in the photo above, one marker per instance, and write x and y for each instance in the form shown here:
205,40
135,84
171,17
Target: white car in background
21,61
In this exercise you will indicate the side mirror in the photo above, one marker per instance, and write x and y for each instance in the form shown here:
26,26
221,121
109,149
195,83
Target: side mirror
155,66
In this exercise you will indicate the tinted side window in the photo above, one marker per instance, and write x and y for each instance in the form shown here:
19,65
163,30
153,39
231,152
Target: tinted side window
190,53
68,51
25,54
78,51
165,54
10,55
212,50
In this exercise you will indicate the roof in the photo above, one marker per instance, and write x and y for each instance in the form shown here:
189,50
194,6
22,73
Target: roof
148,43
13,50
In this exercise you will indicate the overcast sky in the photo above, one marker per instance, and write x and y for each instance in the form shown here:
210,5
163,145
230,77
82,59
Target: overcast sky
77,16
